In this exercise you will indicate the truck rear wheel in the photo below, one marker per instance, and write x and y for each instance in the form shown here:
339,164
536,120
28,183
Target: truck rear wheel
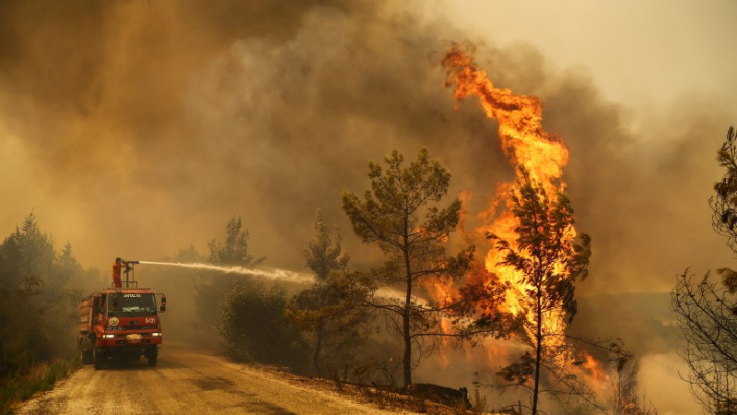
86,357
99,359
152,356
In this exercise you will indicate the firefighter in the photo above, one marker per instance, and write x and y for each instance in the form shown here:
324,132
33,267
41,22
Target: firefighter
116,273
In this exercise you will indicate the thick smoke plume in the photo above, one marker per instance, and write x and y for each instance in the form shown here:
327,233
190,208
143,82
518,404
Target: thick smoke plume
138,128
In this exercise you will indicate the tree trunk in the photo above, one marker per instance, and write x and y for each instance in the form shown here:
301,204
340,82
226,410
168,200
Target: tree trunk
407,347
318,347
538,351
406,334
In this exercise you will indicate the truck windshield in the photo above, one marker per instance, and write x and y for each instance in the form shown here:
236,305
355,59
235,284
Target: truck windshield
131,304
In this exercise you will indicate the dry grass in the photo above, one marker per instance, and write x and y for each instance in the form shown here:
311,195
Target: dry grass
385,398
40,377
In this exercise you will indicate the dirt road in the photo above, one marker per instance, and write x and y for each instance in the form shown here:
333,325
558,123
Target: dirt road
187,382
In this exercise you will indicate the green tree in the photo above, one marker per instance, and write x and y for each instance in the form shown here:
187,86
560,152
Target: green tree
60,297
323,254
36,252
247,314
399,216
330,310
21,322
235,249
214,285
724,202
36,308
549,262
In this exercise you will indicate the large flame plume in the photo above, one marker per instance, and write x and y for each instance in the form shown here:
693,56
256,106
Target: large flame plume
527,144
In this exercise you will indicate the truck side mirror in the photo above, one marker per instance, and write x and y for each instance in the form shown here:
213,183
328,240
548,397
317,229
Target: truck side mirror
163,303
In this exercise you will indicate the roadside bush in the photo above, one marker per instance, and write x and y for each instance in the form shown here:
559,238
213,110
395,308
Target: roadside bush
254,325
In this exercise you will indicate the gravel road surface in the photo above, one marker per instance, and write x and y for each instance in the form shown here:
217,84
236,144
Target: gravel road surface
187,382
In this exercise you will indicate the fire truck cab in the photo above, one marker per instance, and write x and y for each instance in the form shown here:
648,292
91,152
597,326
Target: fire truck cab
120,323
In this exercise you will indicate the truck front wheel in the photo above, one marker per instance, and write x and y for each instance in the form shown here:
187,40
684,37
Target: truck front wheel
153,355
99,359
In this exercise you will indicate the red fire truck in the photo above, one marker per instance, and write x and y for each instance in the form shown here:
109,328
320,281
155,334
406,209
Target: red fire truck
121,322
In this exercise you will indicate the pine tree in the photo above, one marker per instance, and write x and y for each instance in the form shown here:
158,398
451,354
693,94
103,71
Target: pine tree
399,216
330,311
234,252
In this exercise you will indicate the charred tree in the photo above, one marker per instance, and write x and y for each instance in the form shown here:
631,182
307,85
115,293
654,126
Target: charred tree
706,314
707,309
627,399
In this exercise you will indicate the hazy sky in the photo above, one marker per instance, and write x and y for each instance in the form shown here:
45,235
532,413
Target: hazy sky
637,52
137,128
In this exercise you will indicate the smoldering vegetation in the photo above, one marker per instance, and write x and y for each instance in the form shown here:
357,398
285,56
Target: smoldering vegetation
137,128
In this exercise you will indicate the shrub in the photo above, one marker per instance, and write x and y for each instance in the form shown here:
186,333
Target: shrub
254,325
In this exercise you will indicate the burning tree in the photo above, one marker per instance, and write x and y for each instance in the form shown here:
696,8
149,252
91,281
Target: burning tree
390,216
707,310
536,260
330,310
549,263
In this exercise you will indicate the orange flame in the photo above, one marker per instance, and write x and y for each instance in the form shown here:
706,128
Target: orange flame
527,144
594,369
543,156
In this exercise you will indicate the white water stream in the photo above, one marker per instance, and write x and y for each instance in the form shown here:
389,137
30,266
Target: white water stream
273,274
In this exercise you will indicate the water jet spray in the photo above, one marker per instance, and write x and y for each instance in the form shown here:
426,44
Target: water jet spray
273,274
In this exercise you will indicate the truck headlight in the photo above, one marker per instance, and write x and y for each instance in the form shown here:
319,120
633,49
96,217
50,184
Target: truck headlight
108,336
156,334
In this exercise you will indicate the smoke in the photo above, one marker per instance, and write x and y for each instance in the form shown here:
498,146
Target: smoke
161,120
668,393
136,128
